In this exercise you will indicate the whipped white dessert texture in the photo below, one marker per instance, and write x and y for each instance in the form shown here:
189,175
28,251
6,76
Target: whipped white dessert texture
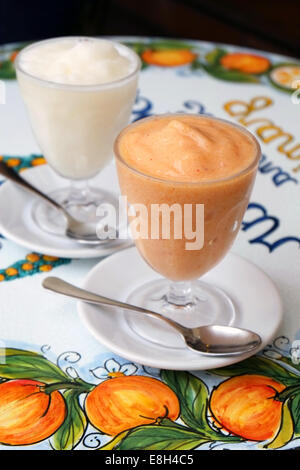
79,61
79,94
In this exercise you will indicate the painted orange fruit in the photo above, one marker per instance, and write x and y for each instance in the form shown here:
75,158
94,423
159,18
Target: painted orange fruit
247,63
38,161
14,55
286,76
27,414
12,162
168,57
123,403
246,406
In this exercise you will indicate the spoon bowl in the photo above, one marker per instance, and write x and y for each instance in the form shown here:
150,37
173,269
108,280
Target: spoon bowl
210,340
220,339
80,232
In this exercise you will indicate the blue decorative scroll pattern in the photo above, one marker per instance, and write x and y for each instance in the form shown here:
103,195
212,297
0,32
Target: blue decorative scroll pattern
275,224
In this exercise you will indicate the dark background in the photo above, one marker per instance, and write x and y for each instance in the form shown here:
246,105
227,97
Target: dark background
271,25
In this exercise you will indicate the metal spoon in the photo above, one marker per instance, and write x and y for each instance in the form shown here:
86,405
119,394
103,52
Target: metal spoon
81,232
211,340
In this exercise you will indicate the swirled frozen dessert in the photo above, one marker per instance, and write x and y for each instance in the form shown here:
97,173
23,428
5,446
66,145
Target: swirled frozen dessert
77,61
79,94
188,160
186,148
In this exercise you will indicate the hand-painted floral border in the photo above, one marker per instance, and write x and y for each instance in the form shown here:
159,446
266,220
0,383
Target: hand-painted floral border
227,63
253,403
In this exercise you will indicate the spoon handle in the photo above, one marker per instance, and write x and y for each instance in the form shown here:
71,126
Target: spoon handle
59,286
10,174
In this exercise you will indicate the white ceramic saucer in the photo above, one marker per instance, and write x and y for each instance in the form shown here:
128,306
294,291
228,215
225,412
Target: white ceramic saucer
257,302
18,225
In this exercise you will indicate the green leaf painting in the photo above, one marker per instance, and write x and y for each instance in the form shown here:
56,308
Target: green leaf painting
193,397
260,366
74,426
7,70
18,364
221,73
295,411
213,57
161,438
169,45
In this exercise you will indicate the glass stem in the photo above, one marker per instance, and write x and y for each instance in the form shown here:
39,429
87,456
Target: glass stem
79,190
180,293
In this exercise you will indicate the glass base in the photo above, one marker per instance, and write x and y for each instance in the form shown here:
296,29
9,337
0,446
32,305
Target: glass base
82,204
206,305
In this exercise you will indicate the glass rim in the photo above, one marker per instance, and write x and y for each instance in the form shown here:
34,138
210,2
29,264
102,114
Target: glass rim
77,87
246,170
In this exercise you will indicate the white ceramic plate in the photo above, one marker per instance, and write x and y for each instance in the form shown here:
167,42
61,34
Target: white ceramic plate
18,225
255,297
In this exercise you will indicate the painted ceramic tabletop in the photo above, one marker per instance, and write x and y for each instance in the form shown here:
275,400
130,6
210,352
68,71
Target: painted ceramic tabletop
50,365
